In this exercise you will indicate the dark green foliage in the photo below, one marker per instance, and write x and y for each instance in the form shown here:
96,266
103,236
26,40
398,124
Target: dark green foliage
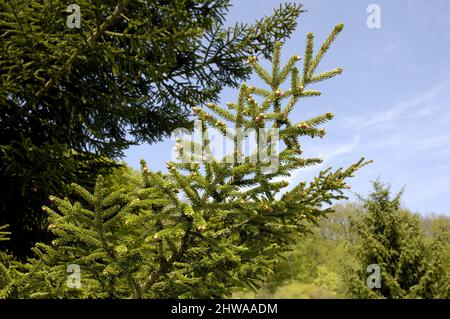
207,228
140,62
393,238
72,98
29,173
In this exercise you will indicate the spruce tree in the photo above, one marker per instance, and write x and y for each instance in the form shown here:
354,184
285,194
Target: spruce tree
393,239
72,98
209,226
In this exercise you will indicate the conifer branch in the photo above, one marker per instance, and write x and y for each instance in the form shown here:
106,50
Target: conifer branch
67,66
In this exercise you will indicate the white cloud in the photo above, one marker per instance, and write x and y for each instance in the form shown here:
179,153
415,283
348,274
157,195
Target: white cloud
331,151
425,104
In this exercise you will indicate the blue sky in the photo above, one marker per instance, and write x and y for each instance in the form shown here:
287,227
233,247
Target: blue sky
391,105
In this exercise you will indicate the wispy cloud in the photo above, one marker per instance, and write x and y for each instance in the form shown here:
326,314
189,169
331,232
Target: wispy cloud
425,104
331,151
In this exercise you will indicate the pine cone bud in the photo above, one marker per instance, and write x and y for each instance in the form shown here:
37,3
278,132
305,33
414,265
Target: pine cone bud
169,166
279,93
329,115
196,109
251,59
322,132
210,105
303,126
297,58
195,165
260,117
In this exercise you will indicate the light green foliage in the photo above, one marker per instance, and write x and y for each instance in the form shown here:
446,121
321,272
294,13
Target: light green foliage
73,98
7,264
124,177
312,268
204,229
3,233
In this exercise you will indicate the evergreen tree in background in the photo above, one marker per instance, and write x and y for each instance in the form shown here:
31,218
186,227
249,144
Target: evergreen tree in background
72,99
393,239
315,268
206,228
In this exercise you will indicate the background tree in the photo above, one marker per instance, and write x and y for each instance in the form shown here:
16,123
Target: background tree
311,269
393,238
72,99
208,227
337,226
